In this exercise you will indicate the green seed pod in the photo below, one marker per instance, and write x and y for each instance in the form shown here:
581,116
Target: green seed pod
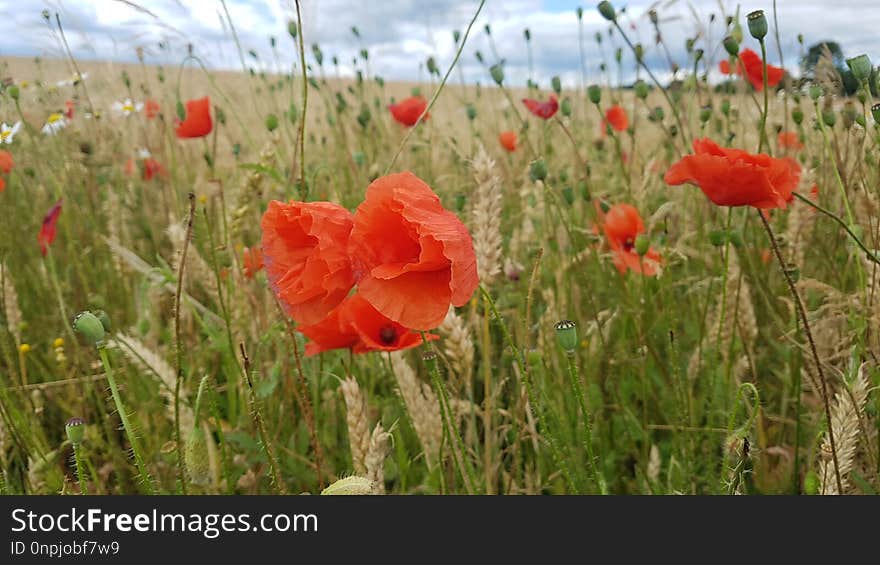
291,28
731,45
567,335
717,237
689,45
725,107
580,13
195,457
565,107
104,319
90,327
14,92
471,112
538,169
359,158
705,113
829,118
815,91
811,483
594,93
861,67
641,89
607,10
75,428
757,24
568,195
479,56
638,51
642,244
698,55
352,485
456,36
318,54
364,116
497,72
860,119
659,113
181,110
271,122
556,83
797,115
527,34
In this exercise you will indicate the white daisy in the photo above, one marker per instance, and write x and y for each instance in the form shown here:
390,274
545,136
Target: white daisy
54,123
7,133
143,153
72,80
127,107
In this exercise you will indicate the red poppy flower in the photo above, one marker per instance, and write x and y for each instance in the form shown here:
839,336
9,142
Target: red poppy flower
150,168
725,68
356,325
408,110
6,165
412,258
305,254
754,71
544,110
252,261
507,139
789,140
151,108
68,109
622,224
616,117
48,229
732,177
198,119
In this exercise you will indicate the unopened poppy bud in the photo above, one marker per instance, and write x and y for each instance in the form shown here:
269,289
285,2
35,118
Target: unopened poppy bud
291,28
698,55
568,195
641,89
456,36
181,110
705,113
639,51
556,83
497,72
642,244
829,118
757,24
364,116
731,45
432,66
689,44
860,119
594,93
488,29
861,68
800,38
716,238
659,114
527,34
46,15
75,428
103,318
271,122
580,13
90,327
318,54
797,115
538,169
350,485
815,92
567,335
725,107
471,112
607,10
565,107
13,91
479,56
875,111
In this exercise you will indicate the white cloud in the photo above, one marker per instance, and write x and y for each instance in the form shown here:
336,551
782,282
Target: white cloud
401,34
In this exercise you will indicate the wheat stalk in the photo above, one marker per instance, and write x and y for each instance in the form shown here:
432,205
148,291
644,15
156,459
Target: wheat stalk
356,420
422,406
846,413
486,221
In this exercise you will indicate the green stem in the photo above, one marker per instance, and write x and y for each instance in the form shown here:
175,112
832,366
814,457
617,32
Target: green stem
577,389
80,475
763,139
833,216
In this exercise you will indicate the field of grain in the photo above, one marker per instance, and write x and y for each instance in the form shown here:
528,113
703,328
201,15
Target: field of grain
610,329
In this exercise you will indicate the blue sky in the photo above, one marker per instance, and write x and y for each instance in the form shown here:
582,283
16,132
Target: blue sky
401,34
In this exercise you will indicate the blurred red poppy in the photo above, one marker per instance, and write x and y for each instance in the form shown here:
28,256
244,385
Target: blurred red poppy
198,119
412,258
507,139
151,108
252,261
544,110
48,229
789,140
616,117
754,70
68,109
733,177
622,224
6,165
408,110
356,325
305,255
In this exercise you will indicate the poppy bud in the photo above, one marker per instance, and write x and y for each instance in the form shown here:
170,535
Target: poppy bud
725,107
567,335
432,66
618,55
757,24
875,111
365,55
607,10
797,115
698,55
45,14
673,130
497,72
538,169
565,107
860,66
641,89
291,28
479,56
471,112
815,92
350,485
598,38
659,114
181,111
487,29
75,428
800,38
364,116
13,91
527,34
642,244
556,84
90,327
456,36
705,113
318,54
717,237
103,318
861,96
829,118
860,119
580,13
594,93
639,51
811,483
731,45
272,41
568,195
585,191
271,122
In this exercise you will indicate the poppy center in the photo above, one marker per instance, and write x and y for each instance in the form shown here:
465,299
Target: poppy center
388,335
628,244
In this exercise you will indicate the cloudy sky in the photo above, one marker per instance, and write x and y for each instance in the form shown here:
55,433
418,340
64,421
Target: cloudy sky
401,34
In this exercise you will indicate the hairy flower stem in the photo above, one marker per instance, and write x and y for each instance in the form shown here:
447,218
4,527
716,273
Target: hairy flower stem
577,388
178,358
870,254
799,306
764,142
725,275
126,425
305,96
80,474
